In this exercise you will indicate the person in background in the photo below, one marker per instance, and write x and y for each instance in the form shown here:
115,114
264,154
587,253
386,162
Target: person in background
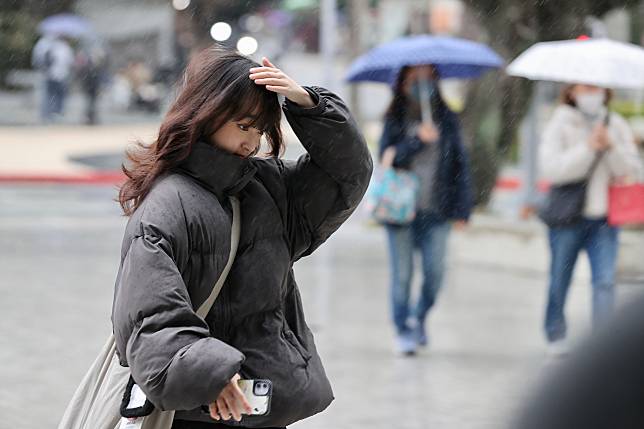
53,56
601,383
434,152
91,64
580,130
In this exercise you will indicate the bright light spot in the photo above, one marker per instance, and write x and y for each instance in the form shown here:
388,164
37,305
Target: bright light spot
221,31
180,4
247,45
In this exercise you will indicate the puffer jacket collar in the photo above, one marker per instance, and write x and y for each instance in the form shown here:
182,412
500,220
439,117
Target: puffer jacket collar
220,172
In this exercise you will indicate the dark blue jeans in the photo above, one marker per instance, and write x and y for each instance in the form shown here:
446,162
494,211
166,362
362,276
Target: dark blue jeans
600,241
430,236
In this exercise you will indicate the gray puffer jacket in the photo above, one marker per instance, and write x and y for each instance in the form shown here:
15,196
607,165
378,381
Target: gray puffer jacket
176,245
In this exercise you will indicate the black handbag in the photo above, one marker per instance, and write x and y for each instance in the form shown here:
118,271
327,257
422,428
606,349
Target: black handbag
564,204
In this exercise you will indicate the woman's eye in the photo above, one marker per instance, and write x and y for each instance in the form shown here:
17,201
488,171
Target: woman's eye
243,127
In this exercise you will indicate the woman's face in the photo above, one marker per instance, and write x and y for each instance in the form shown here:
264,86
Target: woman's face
589,99
238,137
416,73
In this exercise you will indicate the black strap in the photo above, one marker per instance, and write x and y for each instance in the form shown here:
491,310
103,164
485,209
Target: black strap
598,155
593,166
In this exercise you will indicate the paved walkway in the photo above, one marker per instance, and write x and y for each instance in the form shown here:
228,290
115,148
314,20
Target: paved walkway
69,153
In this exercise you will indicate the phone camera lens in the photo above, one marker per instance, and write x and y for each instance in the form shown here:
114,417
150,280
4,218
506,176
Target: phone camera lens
261,389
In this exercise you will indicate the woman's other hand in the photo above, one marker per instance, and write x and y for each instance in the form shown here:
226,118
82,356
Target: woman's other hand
599,139
427,133
387,160
277,81
231,402
460,225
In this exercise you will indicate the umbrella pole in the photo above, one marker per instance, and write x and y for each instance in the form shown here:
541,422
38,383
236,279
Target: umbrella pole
425,106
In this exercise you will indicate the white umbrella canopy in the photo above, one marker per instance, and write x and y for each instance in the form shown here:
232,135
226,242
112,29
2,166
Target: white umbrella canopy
600,62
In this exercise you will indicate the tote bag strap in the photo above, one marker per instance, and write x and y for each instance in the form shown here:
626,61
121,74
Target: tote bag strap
598,155
234,243
593,166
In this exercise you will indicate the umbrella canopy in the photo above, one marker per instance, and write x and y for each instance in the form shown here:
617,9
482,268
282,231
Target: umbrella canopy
452,57
65,24
599,62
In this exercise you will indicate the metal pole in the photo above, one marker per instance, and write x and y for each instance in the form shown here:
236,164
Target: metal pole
529,152
327,40
358,10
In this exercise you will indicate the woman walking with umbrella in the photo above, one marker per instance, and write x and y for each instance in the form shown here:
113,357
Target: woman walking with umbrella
422,135
584,142
584,149
433,150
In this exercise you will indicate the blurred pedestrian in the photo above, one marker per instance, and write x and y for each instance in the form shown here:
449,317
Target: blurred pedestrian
146,94
177,241
431,147
584,147
53,56
600,385
91,69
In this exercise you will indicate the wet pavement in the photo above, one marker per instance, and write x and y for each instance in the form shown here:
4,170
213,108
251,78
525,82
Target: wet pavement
59,251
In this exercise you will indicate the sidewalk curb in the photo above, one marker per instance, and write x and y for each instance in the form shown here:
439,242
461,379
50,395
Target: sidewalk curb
117,177
94,178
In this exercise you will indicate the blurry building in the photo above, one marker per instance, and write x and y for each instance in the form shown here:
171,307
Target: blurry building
135,30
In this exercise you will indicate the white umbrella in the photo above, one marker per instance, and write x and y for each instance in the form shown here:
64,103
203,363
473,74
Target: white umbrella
599,62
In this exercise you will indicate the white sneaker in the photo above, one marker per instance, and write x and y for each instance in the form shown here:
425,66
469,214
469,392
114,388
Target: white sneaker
558,349
406,344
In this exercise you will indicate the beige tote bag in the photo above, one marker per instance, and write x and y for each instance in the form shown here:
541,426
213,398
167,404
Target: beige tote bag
97,400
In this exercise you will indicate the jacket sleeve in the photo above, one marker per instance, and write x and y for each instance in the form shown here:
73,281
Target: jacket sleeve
406,146
325,185
167,346
623,158
560,164
463,179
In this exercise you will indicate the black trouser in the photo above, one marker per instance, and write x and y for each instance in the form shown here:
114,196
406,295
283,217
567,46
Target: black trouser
185,424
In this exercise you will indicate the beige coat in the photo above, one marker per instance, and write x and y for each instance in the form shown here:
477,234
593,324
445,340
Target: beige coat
565,156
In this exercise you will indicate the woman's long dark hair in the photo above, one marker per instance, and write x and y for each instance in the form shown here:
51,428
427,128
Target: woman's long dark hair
400,103
215,89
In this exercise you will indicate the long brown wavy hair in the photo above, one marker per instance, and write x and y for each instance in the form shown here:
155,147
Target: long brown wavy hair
216,88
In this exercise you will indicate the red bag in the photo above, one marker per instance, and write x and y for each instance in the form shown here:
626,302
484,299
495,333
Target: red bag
626,204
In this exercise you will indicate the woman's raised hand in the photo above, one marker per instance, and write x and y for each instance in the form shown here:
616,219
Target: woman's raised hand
277,81
427,133
599,139
231,402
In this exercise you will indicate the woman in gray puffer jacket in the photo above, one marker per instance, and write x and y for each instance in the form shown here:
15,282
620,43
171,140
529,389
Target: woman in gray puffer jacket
177,242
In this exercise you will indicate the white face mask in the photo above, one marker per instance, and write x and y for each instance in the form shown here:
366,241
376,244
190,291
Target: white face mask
591,104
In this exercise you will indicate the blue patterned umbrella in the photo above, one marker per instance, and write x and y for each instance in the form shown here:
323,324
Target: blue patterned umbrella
452,57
